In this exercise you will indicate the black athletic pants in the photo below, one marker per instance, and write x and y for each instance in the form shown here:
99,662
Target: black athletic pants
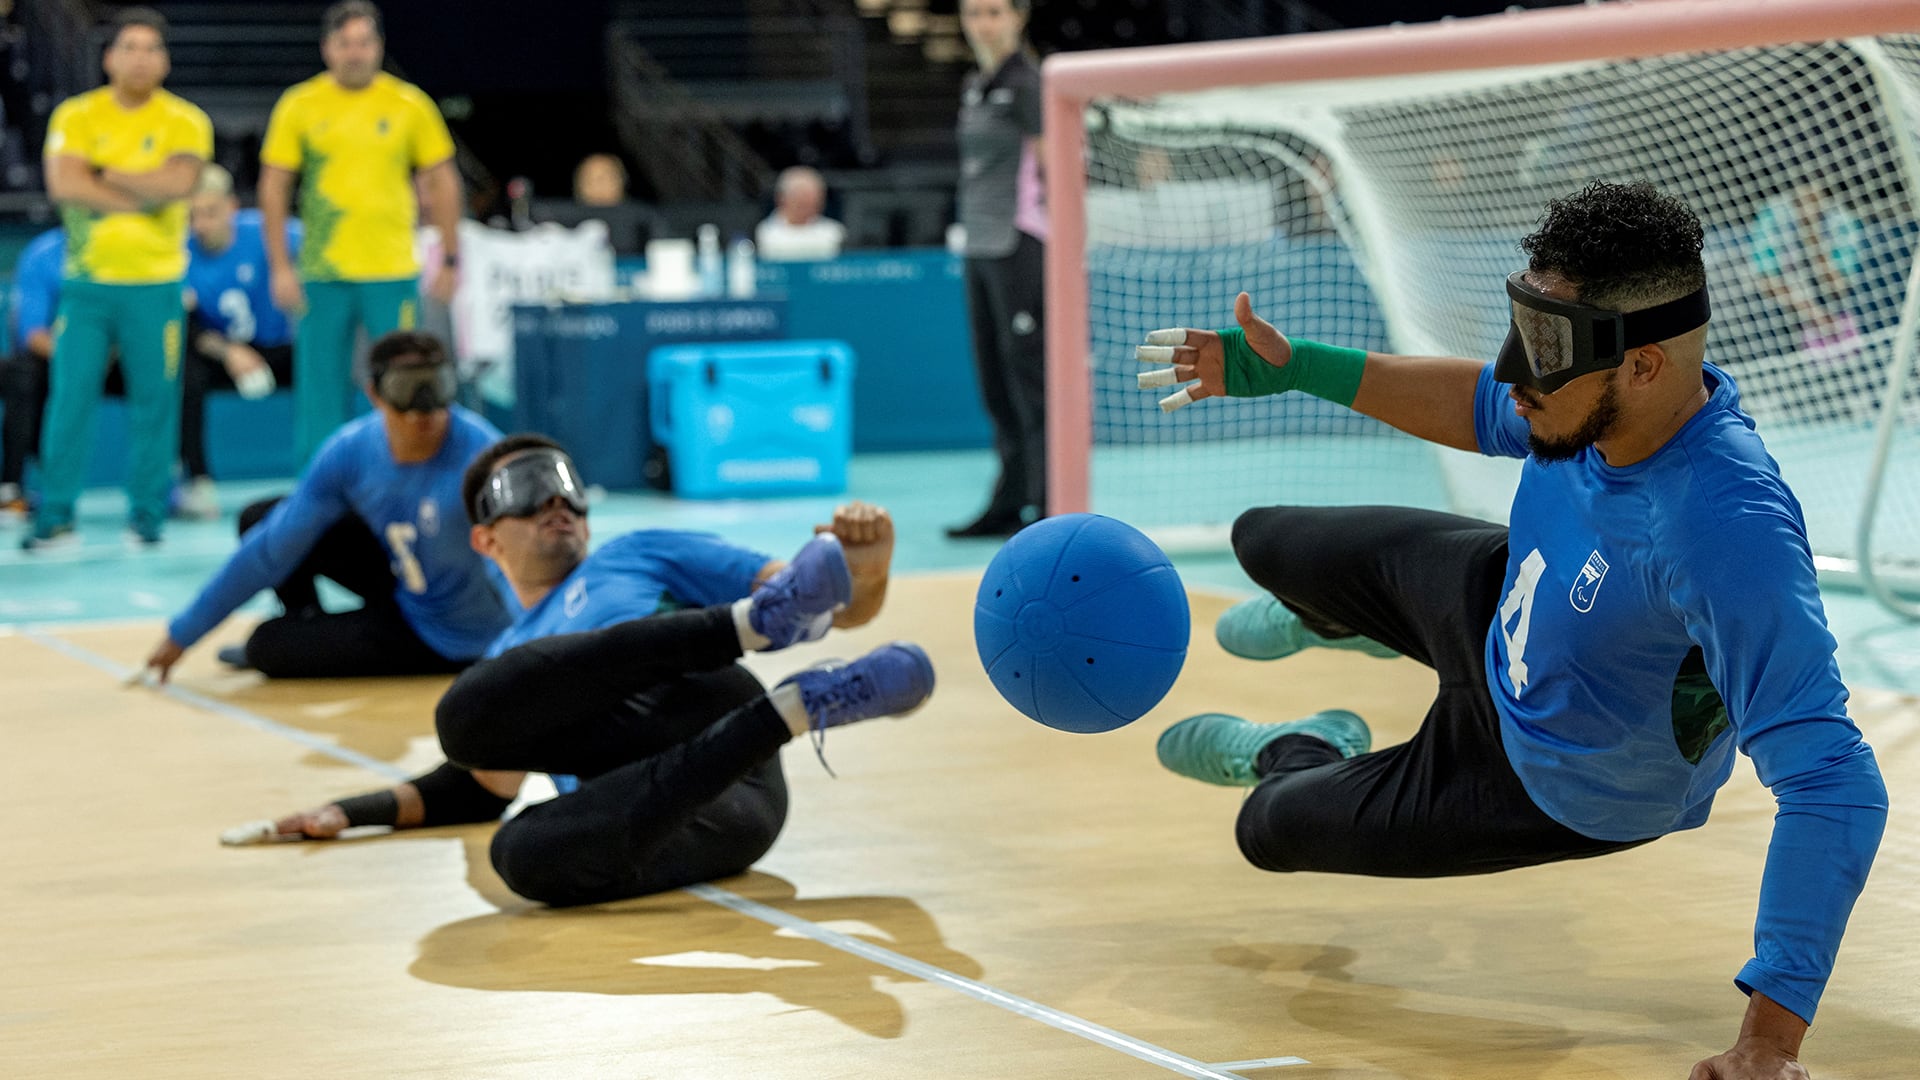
1005,298
23,386
676,746
1446,801
310,643
201,374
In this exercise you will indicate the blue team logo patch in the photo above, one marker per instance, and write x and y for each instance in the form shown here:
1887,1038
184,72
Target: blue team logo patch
1587,585
244,273
429,517
575,600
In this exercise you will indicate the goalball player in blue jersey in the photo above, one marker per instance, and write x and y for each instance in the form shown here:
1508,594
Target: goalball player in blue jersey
1651,609
379,512
619,674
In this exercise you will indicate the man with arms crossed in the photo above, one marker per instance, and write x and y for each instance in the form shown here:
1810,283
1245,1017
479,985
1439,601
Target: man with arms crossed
1651,609
120,161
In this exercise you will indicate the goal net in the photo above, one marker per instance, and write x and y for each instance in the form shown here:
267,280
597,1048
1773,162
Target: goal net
1384,211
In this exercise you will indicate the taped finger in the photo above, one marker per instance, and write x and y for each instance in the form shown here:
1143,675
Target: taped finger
256,832
1174,336
1179,400
1158,377
1154,354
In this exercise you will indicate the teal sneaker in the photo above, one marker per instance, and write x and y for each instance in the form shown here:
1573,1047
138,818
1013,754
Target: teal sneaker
1263,629
1215,748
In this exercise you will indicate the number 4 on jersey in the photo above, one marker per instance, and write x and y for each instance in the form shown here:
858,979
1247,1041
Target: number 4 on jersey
1520,602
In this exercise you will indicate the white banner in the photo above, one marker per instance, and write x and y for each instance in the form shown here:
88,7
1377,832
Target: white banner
548,263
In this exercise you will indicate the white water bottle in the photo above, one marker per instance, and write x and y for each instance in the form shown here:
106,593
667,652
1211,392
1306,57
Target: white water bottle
742,275
707,262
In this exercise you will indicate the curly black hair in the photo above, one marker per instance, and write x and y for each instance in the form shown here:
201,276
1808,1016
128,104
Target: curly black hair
1623,246
482,465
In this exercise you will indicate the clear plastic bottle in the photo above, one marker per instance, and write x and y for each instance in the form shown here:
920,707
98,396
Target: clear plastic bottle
708,264
742,274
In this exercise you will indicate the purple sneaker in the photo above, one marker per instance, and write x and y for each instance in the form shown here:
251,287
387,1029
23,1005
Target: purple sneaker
797,604
892,680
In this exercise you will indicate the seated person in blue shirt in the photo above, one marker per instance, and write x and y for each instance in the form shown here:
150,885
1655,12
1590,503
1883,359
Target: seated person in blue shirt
23,379
378,512
236,338
1650,609
620,671
34,297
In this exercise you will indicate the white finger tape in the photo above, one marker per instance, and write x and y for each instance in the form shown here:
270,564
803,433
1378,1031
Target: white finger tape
1179,400
254,832
1153,354
1158,377
1175,336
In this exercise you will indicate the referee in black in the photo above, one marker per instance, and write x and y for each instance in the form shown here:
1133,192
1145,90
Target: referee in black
1002,209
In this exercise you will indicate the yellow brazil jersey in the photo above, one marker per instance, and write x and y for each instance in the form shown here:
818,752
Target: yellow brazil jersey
356,152
127,248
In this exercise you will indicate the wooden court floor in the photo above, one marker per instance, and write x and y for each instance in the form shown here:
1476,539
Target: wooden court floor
975,896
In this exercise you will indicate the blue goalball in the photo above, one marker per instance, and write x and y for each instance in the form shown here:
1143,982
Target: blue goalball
1081,622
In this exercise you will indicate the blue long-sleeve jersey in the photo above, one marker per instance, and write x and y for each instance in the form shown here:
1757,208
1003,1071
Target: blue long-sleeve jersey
637,575
446,591
1615,577
36,285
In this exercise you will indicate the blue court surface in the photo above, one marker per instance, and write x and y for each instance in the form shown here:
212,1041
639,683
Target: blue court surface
104,581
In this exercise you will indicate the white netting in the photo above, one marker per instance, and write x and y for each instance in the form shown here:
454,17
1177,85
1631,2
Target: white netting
1387,213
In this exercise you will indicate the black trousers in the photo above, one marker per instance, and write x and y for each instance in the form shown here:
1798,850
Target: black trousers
203,373
1446,801
23,387
1005,299
676,747
311,643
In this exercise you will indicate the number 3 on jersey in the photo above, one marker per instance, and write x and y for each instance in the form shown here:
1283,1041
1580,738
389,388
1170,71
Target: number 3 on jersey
400,537
1520,602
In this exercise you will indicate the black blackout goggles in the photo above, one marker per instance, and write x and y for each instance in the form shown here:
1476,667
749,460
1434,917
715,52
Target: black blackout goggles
525,484
1552,342
417,387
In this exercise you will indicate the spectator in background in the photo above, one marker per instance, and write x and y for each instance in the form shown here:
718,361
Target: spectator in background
600,194
120,162
1806,248
23,380
600,180
356,137
1000,207
798,228
236,338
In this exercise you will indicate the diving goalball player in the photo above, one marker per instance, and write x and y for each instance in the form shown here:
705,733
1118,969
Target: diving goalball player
621,671
1651,609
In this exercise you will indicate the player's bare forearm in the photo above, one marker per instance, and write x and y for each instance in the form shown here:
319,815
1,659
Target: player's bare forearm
1430,397
443,204
1768,1047
171,182
275,193
71,181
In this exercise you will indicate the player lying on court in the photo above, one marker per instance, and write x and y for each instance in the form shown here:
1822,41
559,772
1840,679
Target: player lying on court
1651,609
378,513
621,671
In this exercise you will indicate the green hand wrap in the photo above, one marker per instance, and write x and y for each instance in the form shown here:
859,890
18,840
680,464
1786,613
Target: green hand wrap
1325,371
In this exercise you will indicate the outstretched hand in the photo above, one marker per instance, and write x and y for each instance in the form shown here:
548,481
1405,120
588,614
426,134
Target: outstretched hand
1750,1060
321,823
866,539
161,660
1198,355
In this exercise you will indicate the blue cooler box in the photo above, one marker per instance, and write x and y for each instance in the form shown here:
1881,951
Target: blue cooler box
759,418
